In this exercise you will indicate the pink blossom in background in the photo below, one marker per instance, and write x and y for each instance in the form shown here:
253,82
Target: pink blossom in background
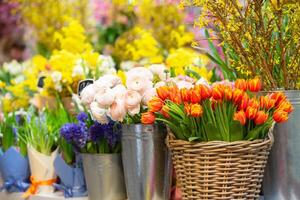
102,11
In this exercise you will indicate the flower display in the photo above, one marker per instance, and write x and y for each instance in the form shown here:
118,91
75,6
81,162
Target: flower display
220,111
89,136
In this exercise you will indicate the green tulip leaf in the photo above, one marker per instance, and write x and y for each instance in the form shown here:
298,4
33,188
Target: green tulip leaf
191,139
236,131
212,132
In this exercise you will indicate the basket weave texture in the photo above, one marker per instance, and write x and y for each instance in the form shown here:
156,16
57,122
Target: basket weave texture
220,170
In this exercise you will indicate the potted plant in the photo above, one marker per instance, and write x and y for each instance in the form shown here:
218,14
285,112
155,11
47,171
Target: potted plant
41,132
14,166
99,145
260,38
220,136
146,161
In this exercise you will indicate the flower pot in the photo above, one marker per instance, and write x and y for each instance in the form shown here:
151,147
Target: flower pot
146,161
104,176
42,172
14,169
220,170
282,177
72,181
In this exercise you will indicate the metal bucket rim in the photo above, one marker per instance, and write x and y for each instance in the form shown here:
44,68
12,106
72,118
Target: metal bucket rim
102,154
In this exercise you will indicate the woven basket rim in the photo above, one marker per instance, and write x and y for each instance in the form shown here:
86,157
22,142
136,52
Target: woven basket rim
269,139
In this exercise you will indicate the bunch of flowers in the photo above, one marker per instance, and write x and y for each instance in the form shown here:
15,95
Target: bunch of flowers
55,15
73,61
138,44
222,111
108,98
260,37
89,136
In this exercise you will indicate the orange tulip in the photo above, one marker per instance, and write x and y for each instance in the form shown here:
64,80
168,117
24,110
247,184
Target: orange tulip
251,112
196,110
148,118
155,104
165,111
253,103
241,84
261,117
228,93
278,97
185,95
237,96
187,108
266,102
205,91
244,102
218,92
163,92
280,116
195,95
286,106
240,116
254,85
176,98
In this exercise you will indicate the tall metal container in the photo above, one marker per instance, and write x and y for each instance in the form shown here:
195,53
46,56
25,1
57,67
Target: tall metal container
147,162
104,176
282,175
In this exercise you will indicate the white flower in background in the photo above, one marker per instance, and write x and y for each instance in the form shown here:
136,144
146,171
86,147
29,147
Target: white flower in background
139,79
202,81
87,95
160,71
184,84
56,76
128,65
99,113
119,91
106,64
13,67
78,69
148,95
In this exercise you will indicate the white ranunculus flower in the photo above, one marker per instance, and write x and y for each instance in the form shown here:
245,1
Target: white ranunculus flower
108,80
56,76
119,91
98,113
88,94
78,69
105,99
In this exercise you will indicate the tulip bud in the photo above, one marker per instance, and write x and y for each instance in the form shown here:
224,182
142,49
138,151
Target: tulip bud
237,96
261,117
241,84
148,118
205,91
286,106
280,116
254,85
228,93
251,112
196,110
187,109
253,103
218,92
165,111
185,95
163,92
244,102
155,104
195,95
278,97
240,116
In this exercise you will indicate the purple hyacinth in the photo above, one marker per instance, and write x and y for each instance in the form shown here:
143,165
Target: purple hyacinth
82,117
112,133
96,132
75,133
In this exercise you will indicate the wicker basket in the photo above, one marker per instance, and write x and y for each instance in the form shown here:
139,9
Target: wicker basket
220,170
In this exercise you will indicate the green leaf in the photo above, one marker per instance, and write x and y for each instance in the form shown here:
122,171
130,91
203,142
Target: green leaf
236,131
191,139
212,132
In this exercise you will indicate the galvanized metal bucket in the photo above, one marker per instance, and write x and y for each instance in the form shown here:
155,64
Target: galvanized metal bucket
282,175
147,162
104,176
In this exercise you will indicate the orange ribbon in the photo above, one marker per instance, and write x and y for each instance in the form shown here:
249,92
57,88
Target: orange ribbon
35,185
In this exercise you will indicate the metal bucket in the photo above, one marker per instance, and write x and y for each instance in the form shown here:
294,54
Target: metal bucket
282,175
147,162
104,176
